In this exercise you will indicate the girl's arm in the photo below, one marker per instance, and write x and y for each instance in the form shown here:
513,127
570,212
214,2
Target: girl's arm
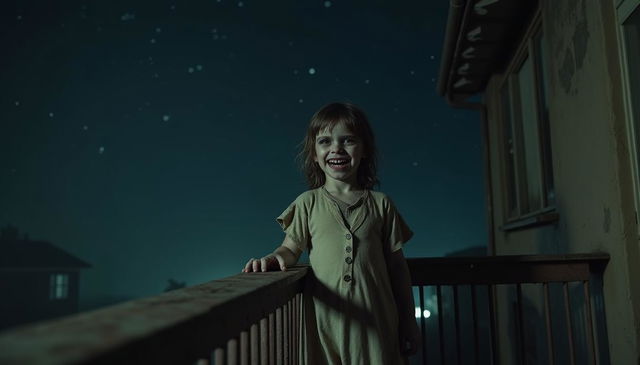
401,285
284,256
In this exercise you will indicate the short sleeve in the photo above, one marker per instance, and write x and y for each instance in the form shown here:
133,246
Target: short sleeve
295,224
397,232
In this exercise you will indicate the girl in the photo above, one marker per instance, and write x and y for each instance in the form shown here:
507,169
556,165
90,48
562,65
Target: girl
359,305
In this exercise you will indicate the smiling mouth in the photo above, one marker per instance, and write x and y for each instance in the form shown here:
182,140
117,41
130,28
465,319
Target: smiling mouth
338,161
338,164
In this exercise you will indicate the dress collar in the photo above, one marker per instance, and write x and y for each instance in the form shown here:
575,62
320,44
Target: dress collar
358,202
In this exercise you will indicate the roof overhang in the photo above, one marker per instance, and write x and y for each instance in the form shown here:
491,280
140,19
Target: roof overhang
480,37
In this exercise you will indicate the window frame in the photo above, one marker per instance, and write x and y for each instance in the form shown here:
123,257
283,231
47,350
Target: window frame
530,48
624,10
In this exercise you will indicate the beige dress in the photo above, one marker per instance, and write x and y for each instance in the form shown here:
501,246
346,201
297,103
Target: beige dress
350,311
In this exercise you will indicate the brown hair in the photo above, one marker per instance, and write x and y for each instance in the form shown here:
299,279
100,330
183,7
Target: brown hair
356,121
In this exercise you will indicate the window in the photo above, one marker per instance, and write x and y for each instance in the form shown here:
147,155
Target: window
629,16
526,143
58,286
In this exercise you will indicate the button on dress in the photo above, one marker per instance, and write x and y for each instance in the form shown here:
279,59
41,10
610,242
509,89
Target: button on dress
349,308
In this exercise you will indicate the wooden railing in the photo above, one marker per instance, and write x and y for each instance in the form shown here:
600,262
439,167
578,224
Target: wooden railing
247,318
521,287
255,318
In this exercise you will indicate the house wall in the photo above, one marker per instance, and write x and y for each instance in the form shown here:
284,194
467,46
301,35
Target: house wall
25,297
591,164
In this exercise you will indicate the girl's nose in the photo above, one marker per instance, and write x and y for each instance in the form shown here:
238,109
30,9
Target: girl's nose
336,146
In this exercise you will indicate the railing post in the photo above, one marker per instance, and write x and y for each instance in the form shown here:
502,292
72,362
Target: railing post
589,323
567,310
456,311
244,348
440,324
423,326
495,357
218,356
476,344
232,352
520,322
547,315
264,341
279,337
255,344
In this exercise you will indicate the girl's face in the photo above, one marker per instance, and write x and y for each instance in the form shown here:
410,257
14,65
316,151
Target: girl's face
338,153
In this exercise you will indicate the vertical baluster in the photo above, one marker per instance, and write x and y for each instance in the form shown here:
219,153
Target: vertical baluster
456,317
202,362
547,315
293,330
298,323
476,343
285,334
495,359
244,348
290,342
264,341
440,323
589,323
567,311
232,352
291,322
521,331
218,356
255,344
423,326
272,339
279,335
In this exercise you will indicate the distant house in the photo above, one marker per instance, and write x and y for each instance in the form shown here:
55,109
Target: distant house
557,84
37,280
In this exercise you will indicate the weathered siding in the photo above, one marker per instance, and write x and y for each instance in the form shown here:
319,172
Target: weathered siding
594,189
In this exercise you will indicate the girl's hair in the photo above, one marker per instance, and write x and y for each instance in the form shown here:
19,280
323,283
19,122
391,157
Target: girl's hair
356,121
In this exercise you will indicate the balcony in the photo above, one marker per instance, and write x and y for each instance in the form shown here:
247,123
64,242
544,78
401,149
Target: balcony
472,310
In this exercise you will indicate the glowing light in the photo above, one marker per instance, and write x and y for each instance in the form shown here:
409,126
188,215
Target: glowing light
312,71
426,313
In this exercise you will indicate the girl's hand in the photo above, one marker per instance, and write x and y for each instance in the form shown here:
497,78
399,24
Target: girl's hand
410,338
270,262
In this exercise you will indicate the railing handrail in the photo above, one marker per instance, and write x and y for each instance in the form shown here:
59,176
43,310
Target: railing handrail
183,325
203,317
507,269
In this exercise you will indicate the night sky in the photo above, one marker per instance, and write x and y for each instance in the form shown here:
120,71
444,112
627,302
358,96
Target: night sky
156,139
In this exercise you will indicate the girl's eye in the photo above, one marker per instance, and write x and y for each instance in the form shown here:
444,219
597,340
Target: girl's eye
322,141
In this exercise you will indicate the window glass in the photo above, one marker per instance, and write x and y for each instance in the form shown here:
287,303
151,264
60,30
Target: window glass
509,149
631,29
59,286
530,137
547,160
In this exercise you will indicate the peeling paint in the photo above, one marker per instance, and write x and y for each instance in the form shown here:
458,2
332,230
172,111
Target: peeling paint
573,16
565,73
580,40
